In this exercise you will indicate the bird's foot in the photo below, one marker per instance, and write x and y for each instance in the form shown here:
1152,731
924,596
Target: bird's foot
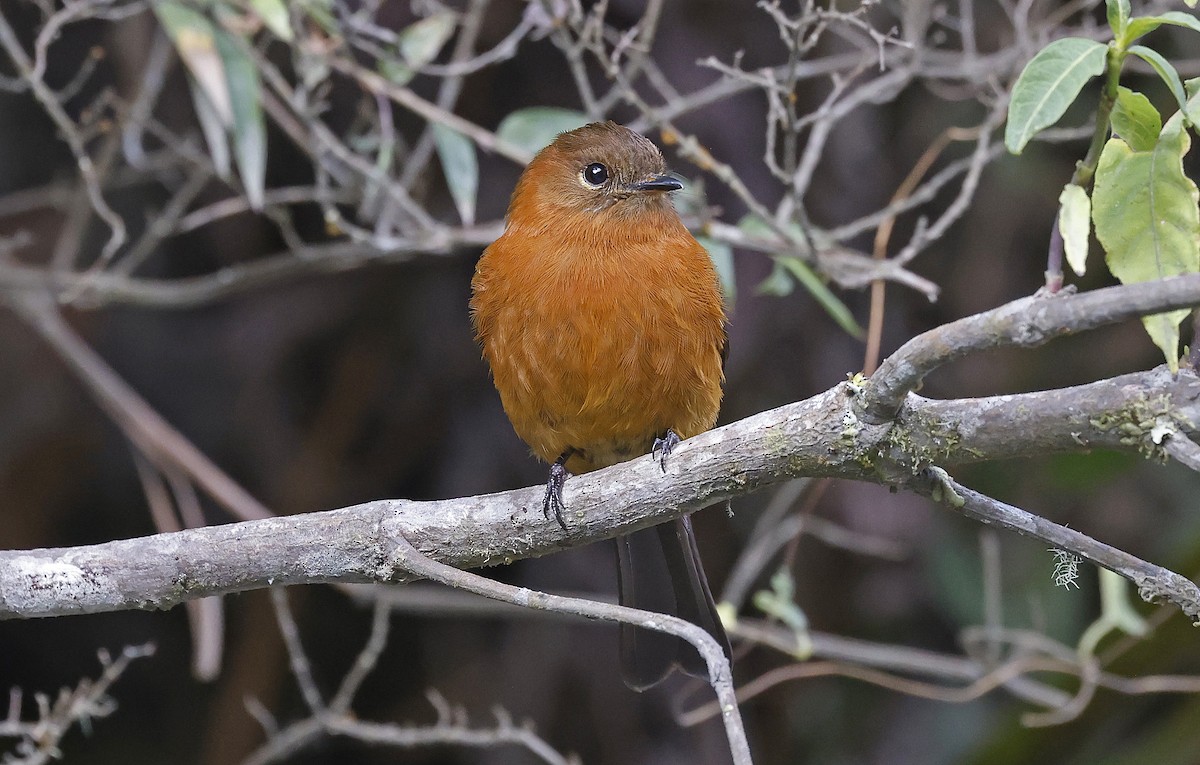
663,446
553,501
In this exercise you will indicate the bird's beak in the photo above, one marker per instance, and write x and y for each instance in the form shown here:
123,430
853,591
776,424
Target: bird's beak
657,183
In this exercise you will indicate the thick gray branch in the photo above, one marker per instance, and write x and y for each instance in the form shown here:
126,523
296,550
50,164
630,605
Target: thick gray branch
1146,411
812,437
1028,322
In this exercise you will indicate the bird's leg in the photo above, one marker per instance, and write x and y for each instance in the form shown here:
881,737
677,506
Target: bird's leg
553,500
663,446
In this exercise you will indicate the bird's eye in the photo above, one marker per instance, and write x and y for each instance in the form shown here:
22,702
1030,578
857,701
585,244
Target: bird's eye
595,174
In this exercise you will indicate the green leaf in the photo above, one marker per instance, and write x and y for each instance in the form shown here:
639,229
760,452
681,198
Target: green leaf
1050,82
1136,120
722,258
395,71
421,41
214,130
1146,216
1075,224
534,128
418,44
1118,15
194,37
321,12
758,228
1117,605
249,127
1139,27
778,284
274,15
1117,613
1192,88
1165,71
829,301
461,168
779,601
787,266
1144,25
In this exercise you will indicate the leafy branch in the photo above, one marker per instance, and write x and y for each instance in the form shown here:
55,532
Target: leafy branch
1144,207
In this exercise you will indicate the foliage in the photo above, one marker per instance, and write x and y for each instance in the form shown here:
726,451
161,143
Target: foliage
1143,205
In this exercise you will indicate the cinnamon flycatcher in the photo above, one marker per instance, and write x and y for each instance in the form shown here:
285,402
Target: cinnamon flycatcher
602,320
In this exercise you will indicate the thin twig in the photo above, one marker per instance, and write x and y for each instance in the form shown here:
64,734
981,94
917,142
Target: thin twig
87,169
408,559
1154,583
87,701
301,669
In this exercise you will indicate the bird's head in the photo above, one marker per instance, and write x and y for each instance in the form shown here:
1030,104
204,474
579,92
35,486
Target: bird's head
603,170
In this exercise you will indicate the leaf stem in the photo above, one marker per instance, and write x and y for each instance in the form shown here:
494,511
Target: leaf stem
1085,170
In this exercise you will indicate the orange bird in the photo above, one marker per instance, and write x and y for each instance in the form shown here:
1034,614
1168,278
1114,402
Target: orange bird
601,318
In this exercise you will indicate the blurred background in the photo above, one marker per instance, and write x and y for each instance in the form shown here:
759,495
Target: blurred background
357,378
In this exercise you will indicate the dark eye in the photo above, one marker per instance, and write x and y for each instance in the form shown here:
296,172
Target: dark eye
595,174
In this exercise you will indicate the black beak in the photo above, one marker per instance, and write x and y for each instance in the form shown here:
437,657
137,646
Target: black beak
658,183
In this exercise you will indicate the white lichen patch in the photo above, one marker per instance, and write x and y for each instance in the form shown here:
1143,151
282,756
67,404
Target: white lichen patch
1162,430
40,585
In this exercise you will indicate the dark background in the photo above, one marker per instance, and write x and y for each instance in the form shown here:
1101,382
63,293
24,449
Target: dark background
330,390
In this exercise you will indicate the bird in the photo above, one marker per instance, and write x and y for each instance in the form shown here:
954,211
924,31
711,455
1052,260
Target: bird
603,323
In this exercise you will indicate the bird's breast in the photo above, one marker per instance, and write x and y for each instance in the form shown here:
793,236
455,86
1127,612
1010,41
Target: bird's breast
599,346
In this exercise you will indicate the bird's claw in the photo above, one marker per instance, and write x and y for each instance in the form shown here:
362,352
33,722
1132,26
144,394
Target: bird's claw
663,446
553,501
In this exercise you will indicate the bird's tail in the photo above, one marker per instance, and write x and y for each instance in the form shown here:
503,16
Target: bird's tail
659,570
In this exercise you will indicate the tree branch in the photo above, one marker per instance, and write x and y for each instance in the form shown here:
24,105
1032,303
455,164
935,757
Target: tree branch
720,675
1155,584
822,436
1028,322
351,544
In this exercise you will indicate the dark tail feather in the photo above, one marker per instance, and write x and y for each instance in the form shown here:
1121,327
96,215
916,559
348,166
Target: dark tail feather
692,593
659,570
644,581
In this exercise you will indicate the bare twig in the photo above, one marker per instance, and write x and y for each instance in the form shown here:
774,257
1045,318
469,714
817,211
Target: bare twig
87,701
87,169
337,718
409,560
486,139
301,669
106,288
366,660
1184,450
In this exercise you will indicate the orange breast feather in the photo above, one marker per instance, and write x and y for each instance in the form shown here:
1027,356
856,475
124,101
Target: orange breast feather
601,354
